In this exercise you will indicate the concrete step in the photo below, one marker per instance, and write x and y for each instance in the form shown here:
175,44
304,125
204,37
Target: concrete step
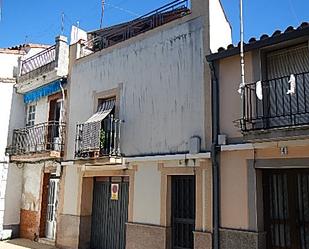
47,241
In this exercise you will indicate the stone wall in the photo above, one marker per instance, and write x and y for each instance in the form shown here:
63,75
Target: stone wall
141,236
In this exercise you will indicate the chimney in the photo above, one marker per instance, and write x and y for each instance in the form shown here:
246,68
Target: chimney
62,55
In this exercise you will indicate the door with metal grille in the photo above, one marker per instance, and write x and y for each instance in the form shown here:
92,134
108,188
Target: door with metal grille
183,211
286,208
52,208
109,213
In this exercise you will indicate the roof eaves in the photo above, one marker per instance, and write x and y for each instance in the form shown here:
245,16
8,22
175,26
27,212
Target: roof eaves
289,34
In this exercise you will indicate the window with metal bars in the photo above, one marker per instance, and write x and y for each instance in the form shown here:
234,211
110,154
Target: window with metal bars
286,208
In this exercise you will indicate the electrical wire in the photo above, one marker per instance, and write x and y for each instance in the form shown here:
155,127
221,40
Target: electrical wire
292,9
123,9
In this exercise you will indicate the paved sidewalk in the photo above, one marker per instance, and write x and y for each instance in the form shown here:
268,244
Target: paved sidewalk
23,244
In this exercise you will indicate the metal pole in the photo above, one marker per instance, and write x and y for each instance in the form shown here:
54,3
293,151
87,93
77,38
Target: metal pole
115,136
242,58
119,130
62,23
111,134
102,14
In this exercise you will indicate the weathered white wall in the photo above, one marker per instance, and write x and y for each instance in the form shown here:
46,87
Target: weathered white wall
13,195
17,115
23,182
162,98
5,103
147,194
8,62
10,184
6,91
219,27
71,194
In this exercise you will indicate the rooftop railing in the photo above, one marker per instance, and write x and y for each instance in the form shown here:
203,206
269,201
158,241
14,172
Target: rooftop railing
43,137
277,108
41,59
107,37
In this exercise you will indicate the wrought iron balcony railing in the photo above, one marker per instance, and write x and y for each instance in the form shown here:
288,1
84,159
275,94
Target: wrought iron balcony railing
41,59
99,139
105,38
43,137
276,109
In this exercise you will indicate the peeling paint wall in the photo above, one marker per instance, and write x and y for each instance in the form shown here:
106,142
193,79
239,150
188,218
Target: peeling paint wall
32,174
162,93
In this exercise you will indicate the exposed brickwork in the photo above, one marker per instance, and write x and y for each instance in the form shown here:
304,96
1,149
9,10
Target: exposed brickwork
29,224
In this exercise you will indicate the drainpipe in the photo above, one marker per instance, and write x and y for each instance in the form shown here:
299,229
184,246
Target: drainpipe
215,155
62,116
62,106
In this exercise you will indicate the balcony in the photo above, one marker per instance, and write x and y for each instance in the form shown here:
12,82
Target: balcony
44,67
98,139
276,109
46,58
41,141
104,38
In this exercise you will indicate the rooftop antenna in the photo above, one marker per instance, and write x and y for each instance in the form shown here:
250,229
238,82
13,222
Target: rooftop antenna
102,14
62,23
242,57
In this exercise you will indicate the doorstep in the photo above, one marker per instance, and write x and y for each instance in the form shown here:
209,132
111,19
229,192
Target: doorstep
47,241
23,244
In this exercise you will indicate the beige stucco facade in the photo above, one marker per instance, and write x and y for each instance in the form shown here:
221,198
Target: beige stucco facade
149,207
247,156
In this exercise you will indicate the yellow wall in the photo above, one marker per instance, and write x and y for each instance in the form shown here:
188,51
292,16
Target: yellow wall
240,183
230,101
234,189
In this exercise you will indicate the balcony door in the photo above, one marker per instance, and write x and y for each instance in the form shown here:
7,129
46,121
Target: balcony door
279,108
54,127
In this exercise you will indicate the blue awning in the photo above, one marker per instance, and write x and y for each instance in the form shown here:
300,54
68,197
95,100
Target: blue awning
43,91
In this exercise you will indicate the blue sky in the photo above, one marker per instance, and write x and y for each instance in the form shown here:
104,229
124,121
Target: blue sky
39,21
